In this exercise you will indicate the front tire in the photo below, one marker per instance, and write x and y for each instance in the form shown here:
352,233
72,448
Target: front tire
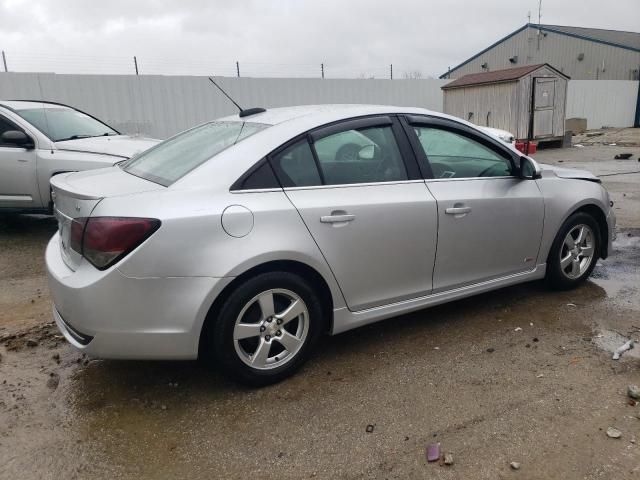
265,329
574,252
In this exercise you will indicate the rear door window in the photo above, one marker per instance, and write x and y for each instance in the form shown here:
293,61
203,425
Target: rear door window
360,156
295,166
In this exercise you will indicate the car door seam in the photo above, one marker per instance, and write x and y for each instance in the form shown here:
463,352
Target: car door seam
435,257
544,223
335,278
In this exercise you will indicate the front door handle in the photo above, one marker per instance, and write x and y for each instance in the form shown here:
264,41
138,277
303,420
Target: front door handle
337,218
457,210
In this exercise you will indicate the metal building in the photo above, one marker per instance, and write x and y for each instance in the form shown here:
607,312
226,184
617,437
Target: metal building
527,101
580,53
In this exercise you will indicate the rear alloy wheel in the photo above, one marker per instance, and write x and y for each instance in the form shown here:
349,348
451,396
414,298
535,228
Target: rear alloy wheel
271,329
574,252
266,329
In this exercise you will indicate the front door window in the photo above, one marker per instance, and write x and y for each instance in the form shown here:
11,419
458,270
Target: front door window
452,155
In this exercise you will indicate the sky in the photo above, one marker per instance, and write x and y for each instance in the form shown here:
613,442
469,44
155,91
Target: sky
282,38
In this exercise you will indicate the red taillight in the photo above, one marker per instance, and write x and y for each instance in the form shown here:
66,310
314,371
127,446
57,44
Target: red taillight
107,239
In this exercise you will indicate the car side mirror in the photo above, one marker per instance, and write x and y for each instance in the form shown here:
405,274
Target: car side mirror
17,138
529,169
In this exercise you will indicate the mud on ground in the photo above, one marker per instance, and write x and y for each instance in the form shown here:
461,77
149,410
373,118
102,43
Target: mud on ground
523,375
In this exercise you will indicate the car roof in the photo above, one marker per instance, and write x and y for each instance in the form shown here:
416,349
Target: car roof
325,113
26,104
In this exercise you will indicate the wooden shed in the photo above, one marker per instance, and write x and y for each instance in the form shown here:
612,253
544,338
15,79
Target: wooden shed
528,101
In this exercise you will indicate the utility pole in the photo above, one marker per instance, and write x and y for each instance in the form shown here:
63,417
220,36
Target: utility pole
636,121
539,19
4,61
539,11
238,69
391,71
135,64
322,69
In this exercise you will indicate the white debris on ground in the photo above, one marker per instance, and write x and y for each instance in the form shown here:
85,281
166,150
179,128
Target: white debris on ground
621,137
621,349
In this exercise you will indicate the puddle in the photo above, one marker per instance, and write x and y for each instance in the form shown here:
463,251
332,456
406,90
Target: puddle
619,275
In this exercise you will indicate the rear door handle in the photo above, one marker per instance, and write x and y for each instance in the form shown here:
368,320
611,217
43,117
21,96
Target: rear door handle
457,210
337,218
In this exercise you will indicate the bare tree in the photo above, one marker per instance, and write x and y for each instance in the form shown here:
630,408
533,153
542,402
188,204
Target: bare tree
412,75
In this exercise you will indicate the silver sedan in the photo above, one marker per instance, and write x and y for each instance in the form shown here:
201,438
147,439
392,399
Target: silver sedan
242,240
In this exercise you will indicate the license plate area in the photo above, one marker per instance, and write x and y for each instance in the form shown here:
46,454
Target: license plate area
70,257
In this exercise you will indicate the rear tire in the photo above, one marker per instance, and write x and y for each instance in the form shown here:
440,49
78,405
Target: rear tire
574,252
266,329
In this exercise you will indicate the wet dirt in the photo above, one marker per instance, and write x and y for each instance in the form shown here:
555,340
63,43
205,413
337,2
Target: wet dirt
516,375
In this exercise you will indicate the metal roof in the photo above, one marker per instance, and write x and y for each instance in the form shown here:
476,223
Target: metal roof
615,38
497,76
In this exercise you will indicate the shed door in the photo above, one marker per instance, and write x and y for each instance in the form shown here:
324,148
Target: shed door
544,103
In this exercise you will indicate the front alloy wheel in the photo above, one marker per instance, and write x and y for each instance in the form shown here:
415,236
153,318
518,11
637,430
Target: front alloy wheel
574,251
577,251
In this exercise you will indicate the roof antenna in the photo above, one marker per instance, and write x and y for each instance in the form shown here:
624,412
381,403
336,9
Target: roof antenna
539,11
243,113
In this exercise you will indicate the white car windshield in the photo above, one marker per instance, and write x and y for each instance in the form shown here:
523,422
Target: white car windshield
62,123
172,159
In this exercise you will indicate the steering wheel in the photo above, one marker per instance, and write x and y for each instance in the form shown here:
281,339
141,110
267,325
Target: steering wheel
347,152
488,169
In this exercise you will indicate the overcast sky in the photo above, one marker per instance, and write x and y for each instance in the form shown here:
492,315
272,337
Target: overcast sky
276,37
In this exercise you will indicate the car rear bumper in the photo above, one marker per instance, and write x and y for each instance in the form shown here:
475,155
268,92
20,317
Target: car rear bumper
109,315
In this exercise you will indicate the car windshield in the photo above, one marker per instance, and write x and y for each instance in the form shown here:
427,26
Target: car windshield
65,123
172,159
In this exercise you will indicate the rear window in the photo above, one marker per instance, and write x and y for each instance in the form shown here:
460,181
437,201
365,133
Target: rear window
172,159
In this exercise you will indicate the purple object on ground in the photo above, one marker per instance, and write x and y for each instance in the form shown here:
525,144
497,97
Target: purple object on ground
433,452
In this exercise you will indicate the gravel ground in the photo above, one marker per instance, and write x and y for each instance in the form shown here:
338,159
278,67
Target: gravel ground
519,375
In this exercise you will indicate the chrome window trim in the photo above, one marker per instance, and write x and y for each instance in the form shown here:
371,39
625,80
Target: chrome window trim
350,185
256,190
468,178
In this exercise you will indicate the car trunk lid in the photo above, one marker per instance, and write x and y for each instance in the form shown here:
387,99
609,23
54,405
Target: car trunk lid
76,195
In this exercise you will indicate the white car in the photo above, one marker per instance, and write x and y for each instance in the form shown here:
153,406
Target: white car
242,240
41,139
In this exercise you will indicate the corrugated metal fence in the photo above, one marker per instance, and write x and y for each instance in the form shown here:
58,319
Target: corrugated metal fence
161,106
604,103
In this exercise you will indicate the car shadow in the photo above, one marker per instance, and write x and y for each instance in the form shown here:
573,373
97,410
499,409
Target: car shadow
479,320
27,227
